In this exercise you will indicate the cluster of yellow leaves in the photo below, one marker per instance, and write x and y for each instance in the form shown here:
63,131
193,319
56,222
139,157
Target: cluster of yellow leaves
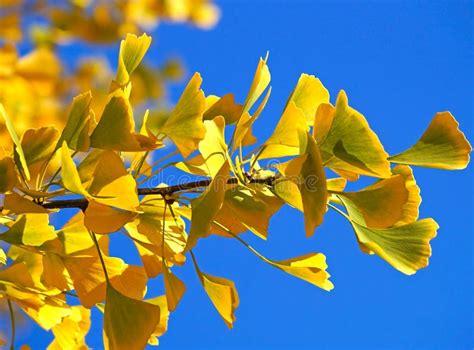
100,21
99,160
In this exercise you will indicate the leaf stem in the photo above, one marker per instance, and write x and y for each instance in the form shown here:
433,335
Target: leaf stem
94,238
12,319
339,211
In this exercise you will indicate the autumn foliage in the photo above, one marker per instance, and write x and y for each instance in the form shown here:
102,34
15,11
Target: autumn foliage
89,154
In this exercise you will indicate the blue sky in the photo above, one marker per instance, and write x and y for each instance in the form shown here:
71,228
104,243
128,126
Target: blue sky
400,62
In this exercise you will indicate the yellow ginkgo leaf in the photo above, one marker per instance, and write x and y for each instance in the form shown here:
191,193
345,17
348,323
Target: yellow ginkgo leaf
90,283
223,295
350,144
8,178
148,227
38,144
69,175
442,146
379,205
29,230
116,127
244,210
102,219
55,274
17,204
308,94
207,205
213,147
71,332
243,130
407,247
196,165
128,323
76,131
162,326
174,287
285,139
336,184
3,257
310,268
225,107
132,51
260,82
304,185
411,208
19,155
111,184
185,125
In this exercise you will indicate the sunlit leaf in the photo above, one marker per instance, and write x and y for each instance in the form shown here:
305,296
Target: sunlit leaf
225,107
71,332
76,131
380,205
21,163
310,268
101,218
411,208
349,144
442,146
132,51
29,230
185,124
90,282
308,94
116,127
162,325
260,82
285,138
223,295
407,247
174,287
69,175
128,323
213,147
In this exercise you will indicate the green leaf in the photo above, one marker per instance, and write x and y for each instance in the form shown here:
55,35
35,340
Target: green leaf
407,247
20,160
442,146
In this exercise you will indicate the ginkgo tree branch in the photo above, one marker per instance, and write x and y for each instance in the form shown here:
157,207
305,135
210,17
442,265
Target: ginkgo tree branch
82,203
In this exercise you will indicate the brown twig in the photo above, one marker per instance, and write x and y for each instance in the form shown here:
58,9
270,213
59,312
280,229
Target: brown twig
162,191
